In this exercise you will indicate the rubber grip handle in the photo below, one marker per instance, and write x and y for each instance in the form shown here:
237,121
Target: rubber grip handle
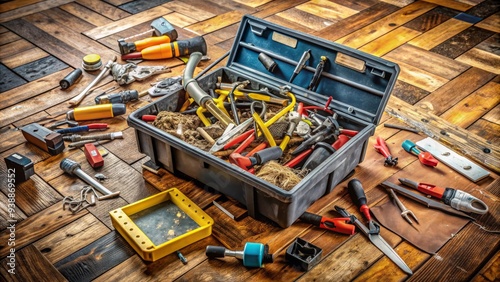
215,251
72,129
381,147
272,153
311,218
355,189
189,46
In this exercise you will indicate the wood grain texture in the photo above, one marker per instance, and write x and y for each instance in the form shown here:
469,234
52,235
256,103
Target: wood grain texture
419,77
490,271
31,266
374,30
30,9
215,23
105,9
327,10
427,61
455,138
439,34
253,3
306,19
490,23
408,93
37,226
481,59
11,49
457,5
461,87
486,129
24,57
124,23
191,11
474,106
71,238
389,41
431,19
85,14
9,213
274,7
460,43
96,258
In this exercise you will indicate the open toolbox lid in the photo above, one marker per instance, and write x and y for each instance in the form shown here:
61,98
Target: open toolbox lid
359,83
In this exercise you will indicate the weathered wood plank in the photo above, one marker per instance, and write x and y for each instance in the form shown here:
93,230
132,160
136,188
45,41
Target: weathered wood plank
71,238
31,9
180,20
72,56
462,42
306,19
275,7
37,226
481,59
128,22
233,5
494,114
9,213
191,11
492,44
253,3
490,271
356,22
96,258
215,23
105,9
390,41
418,77
31,265
137,6
386,24
288,23
431,19
408,93
170,266
454,138
24,57
126,148
40,68
327,10
490,23
8,37
84,13
12,49
474,106
9,79
457,5
11,5
428,61
486,129
463,85
439,34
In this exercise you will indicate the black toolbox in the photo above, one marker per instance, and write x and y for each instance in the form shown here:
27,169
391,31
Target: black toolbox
360,85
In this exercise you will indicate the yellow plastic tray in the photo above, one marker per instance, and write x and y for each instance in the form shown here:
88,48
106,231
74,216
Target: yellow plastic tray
161,224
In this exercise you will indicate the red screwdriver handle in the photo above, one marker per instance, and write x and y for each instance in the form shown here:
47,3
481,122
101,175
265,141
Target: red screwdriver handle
381,147
358,196
431,189
338,225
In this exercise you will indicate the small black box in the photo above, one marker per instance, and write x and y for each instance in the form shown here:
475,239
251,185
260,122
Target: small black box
20,166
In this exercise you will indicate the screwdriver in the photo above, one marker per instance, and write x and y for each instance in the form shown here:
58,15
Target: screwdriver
96,112
170,50
355,189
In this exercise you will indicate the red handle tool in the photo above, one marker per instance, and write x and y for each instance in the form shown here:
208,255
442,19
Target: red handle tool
339,225
358,196
381,147
246,163
424,157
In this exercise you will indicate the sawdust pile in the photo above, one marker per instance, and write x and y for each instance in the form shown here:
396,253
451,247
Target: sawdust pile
281,176
184,127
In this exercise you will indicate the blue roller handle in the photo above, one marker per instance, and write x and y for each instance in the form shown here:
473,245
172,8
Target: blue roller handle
410,147
72,129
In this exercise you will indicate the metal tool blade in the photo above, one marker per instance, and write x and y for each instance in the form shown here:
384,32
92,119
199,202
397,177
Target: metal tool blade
378,241
425,201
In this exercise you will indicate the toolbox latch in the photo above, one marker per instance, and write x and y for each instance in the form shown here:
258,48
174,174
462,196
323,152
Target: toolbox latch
256,28
378,72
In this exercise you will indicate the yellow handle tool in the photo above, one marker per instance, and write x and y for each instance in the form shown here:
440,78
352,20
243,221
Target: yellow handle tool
96,112
255,96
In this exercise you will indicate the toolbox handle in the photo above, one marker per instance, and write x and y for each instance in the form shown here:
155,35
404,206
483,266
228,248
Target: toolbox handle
256,28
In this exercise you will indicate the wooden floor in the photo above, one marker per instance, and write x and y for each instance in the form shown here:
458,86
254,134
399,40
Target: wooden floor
449,54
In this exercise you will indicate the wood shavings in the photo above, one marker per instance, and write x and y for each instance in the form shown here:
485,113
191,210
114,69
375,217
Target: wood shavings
281,176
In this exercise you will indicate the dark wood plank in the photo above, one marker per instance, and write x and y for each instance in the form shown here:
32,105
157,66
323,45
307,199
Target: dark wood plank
431,19
40,68
71,238
96,258
134,7
460,43
490,271
484,9
408,93
30,265
37,226
486,129
9,79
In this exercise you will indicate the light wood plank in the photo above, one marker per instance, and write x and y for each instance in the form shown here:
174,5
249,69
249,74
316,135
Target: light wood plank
486,129
11,5
311,22
463,85
474,106
215,23
390,41
8,37
105,9
490,271
85,14
428,61
418,77
128,22
326,9
71,238
457,5
12,49
275,7
481,59
493,115
385,25
24,57
180,20
491,23
439,34
188,10
9,213
31,9
253,3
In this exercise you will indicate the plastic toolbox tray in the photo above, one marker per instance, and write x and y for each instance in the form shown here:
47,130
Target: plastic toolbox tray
360,85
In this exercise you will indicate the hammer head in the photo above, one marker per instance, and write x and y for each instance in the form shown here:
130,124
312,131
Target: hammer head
162,27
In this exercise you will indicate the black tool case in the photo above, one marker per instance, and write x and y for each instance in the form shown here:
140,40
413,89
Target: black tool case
360,85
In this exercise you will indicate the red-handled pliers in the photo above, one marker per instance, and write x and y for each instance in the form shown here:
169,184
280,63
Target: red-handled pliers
339,225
